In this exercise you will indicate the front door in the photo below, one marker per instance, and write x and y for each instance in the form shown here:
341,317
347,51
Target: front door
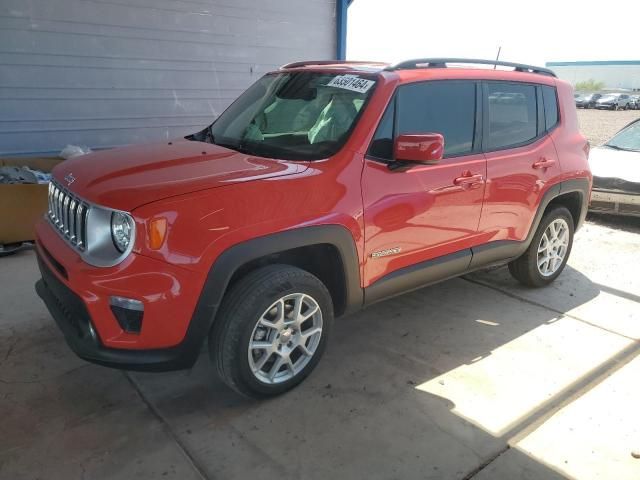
424,212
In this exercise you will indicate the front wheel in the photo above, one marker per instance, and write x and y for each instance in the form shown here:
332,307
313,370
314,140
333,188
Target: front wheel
548,252
271,330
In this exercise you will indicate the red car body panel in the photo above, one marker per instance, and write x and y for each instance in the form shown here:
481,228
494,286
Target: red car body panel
128,177
214,198
169,293
425,215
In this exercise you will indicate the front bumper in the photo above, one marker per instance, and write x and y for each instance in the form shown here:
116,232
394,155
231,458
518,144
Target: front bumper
615,202
77,296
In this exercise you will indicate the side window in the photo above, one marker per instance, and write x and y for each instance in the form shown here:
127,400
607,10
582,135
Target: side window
512,117
550,100
382,143
445,107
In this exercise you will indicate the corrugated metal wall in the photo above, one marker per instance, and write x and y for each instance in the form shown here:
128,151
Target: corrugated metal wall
103,73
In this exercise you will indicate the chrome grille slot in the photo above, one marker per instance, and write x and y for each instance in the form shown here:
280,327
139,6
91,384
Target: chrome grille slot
68,214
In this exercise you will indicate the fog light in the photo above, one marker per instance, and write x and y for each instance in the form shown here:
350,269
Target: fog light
128,313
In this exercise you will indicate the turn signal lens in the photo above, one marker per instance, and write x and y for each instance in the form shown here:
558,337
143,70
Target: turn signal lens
157,232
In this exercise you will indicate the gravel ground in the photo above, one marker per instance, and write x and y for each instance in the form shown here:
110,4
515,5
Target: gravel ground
600,125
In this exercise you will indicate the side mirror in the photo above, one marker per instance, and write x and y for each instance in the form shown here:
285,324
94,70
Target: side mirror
426,148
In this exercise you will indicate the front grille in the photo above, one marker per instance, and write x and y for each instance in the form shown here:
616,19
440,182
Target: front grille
68,214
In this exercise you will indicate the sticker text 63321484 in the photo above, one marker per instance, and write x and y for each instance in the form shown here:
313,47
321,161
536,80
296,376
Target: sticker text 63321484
351,82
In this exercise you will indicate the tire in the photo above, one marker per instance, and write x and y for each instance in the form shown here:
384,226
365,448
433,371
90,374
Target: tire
525,269
268,291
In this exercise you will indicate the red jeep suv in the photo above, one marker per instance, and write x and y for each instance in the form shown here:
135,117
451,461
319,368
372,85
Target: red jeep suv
325,187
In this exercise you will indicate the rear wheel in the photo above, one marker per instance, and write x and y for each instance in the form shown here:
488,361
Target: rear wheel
548,252
271,330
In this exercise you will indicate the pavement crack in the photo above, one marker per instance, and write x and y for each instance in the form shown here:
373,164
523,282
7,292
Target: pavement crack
546,307
485,464
9,351
19,382
156,413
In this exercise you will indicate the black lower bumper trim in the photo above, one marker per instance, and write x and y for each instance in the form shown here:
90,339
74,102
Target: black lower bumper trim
72,318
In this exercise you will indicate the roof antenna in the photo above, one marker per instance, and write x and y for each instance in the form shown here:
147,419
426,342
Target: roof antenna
497,57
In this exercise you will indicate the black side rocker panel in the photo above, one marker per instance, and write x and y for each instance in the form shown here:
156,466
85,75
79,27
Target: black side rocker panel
466,261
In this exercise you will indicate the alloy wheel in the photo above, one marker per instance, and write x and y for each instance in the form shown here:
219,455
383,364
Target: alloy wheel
285,338
553,247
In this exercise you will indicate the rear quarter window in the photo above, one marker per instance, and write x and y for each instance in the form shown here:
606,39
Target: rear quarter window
550,100
512,115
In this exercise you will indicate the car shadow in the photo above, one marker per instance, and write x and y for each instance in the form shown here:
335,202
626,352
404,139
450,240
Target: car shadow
375,404
619,222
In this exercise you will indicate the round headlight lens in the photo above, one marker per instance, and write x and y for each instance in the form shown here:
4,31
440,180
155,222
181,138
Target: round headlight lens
121,229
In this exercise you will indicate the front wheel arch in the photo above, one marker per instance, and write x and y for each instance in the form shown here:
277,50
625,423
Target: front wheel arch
236,259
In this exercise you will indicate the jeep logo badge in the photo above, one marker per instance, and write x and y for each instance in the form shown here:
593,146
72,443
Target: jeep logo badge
69,178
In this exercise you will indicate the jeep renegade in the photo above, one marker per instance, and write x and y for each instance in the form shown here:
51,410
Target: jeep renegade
324,188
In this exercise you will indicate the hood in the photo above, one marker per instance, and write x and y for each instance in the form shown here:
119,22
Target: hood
611,163
128,177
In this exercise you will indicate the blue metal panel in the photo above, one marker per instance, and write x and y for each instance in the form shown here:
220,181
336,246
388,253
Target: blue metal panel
341,28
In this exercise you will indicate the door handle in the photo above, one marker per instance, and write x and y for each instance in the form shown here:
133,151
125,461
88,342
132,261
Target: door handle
544,163
468,180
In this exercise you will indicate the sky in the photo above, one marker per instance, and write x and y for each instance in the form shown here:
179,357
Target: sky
528,32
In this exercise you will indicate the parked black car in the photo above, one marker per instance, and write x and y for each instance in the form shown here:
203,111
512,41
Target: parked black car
587,100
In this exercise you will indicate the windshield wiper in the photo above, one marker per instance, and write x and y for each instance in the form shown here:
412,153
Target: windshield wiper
209,136
238,147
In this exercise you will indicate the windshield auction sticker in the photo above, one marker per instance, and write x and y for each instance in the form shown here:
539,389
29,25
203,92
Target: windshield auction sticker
351,82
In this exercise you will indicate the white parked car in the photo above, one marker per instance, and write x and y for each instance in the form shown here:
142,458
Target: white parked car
616,173
614,101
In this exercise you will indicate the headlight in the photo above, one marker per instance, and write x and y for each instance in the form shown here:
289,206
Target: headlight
121,230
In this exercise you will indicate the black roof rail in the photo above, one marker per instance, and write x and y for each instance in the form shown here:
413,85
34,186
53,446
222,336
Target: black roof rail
306,63
442,63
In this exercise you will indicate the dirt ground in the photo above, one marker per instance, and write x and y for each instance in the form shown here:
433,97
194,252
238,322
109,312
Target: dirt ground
600,125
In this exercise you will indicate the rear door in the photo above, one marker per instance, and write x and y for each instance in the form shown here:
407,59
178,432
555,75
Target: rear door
427,211
521,156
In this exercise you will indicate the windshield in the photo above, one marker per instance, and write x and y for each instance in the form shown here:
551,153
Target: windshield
294,115
608,97
627,139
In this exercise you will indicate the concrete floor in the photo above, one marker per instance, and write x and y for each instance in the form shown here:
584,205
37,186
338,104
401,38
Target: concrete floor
474,378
